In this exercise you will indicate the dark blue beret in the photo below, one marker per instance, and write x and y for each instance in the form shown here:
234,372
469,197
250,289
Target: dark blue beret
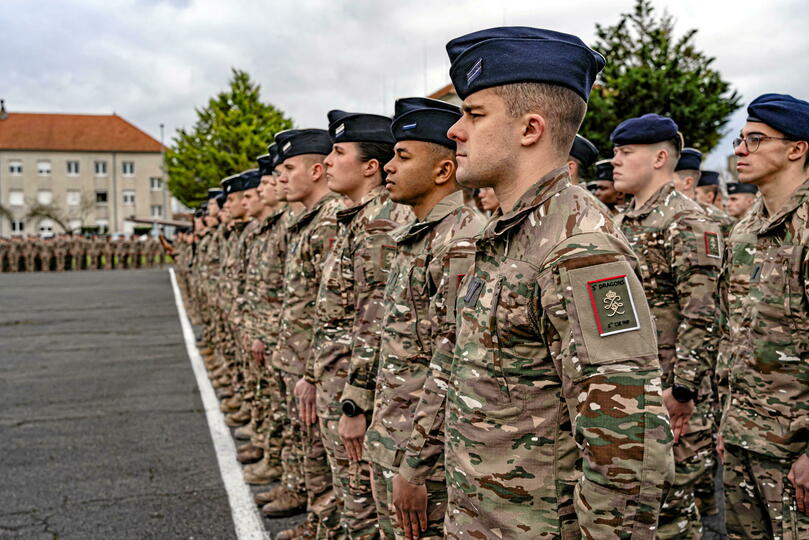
646,129
690,159
272,151
424,119
265,164
708,178
214,193
359,127
220,200
514,54
231,184
604,170
201,211
583,150
295,142
251,179
736,187
783,112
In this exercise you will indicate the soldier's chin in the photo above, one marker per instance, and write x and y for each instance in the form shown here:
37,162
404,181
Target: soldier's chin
468,179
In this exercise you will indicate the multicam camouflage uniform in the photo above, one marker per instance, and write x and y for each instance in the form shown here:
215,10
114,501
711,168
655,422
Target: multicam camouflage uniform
345,345
305,468
28,251
555,425
765,425
680,251
433,255
262,308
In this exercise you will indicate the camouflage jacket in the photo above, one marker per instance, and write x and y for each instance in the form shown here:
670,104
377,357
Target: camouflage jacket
765,287
310,238
725,222
433,255
265,280
348,309
555,424
680,252
234,267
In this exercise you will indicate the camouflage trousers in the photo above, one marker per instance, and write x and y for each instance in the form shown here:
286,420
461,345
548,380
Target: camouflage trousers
693,454
759,499
352,480
267,416
304,464
386,513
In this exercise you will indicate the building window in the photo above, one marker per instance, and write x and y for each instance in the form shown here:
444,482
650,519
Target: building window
103,226
44,168
17,226
44,196
157,210
156,183
101,168
75,225
101,197
46,227
15,168
72,168
129,197
128,168
73,197
16,198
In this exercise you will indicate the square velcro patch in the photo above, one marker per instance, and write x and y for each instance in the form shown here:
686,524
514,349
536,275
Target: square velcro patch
713,246
613,305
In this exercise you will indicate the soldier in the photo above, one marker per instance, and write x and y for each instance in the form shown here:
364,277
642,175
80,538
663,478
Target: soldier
28,253
261,308
680,251
434,252
740,198
12,254
708,191
765,425
603,188
46,254
341,368
310,238
108,252
583,154
554,418
59,244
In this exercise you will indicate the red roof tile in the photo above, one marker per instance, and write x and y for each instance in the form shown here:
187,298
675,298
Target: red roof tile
73,132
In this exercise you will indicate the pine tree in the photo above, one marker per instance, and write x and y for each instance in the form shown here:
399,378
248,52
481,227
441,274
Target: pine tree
650,70
234,128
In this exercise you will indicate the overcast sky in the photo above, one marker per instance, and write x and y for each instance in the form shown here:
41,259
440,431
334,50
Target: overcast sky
154,61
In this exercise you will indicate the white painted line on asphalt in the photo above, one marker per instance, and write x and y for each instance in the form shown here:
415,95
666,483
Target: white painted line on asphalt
246,518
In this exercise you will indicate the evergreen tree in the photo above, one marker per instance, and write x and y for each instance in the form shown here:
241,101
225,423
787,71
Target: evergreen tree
650,70
234,128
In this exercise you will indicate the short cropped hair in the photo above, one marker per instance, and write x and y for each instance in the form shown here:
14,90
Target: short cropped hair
562,108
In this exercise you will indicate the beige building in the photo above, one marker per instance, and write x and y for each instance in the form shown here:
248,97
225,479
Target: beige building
81,170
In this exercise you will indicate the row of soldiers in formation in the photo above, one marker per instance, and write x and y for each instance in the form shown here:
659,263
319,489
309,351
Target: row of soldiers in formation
76,252
408,367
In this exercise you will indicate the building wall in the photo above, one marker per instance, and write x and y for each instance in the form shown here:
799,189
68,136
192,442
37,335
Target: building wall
89,212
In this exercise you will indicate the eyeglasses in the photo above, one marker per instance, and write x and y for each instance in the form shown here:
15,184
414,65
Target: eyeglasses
753,141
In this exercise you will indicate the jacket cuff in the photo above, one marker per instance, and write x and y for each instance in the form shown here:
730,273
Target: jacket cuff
362,397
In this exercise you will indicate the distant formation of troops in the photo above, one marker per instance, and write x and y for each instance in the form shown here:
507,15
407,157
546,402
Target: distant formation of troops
424,326
65,252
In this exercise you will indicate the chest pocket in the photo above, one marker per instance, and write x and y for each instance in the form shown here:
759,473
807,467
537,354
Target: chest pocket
333,296
419,302
654,267
777,278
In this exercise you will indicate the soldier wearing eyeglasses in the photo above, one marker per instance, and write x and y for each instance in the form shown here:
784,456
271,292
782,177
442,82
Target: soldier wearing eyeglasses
765,425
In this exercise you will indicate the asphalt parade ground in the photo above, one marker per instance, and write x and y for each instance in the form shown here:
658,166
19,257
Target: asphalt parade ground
103,431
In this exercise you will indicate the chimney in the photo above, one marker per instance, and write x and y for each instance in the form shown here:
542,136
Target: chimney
3,113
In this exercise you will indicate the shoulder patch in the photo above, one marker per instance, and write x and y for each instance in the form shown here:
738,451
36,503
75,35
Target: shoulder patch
613,306
713,245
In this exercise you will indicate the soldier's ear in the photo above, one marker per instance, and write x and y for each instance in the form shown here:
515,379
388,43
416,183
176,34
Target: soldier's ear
444,171
534,128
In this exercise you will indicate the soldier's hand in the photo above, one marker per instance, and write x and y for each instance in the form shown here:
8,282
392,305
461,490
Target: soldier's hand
410,501
799,476
352,431
680,413
305,392
258,349
720,448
